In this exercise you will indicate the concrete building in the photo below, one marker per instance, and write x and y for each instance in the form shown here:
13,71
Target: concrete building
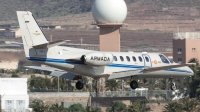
13,95
18,33
7,33
186,45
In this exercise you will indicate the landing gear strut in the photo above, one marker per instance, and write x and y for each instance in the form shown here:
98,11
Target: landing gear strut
173,86
79,85
134,84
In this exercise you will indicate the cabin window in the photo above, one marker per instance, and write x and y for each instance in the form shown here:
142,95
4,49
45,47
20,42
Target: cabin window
115,58
147,59
140,58
134,59
121,58
163,59
128,59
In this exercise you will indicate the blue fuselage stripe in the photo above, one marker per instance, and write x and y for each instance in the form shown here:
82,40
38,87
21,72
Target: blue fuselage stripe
110,65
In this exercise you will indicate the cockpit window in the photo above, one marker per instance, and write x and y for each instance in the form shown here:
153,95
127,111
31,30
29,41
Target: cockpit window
170,60
163,58
115,58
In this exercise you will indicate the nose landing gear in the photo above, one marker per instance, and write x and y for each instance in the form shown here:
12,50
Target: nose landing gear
173,85
79,84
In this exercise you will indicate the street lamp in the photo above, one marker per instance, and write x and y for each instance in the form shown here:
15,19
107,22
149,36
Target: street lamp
26,71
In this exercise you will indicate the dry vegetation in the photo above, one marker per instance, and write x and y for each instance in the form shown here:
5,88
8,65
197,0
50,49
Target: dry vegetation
12,56
128,37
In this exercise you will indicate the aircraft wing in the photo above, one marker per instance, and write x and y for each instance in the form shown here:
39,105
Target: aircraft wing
56,72
124,74
129,73
147,70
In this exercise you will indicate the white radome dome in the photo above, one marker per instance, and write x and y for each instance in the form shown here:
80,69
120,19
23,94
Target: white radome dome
109,11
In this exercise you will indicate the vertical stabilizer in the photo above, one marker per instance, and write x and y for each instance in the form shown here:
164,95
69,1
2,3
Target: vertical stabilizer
31,32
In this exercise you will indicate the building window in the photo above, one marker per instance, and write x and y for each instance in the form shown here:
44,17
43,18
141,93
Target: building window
179,60
128,59
193,49
122,59
179,51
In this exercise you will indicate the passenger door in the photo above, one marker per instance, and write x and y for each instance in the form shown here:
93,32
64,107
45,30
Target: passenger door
147,60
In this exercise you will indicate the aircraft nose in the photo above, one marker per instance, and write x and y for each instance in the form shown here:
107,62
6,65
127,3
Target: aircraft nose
190,71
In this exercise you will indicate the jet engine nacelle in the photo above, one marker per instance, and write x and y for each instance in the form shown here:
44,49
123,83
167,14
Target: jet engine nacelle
97,59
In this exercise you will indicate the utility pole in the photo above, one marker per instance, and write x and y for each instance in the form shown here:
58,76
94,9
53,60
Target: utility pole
51,37
58,84
81,41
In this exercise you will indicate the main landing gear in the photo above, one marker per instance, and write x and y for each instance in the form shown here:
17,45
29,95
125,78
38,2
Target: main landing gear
134,84
79,85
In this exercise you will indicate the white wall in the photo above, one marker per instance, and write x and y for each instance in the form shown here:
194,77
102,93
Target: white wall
13,89
13,86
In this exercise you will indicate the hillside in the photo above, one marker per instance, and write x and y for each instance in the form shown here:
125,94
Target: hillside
52,8
43,8
153,15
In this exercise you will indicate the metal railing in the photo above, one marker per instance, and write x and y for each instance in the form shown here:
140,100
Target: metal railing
151,95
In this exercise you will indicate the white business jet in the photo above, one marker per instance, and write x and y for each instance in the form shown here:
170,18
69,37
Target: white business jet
73,63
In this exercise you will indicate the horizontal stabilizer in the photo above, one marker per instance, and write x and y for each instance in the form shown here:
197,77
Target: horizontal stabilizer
13,42
50,69
51,44
66,75
56,72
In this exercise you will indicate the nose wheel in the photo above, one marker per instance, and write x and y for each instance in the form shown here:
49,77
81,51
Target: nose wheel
134,84
79,85
173,86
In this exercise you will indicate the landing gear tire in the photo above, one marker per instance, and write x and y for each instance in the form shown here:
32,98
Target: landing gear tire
134,84
173,87
79,85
